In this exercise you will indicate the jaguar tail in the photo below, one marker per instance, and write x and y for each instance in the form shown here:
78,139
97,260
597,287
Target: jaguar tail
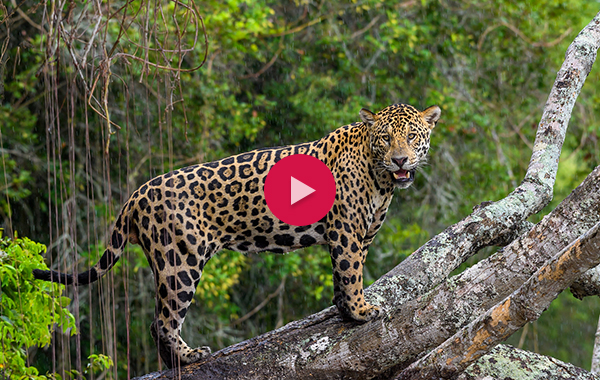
110,257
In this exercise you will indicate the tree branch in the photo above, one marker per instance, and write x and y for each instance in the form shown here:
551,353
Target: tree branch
260,305
435,260
596,352
525,305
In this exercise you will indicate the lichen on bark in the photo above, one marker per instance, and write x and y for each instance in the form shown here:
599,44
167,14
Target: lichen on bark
506,362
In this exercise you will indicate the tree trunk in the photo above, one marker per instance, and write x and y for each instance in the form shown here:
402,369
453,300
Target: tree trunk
416,318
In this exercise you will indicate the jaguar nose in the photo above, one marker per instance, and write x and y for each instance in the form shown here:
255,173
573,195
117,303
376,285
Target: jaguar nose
400,161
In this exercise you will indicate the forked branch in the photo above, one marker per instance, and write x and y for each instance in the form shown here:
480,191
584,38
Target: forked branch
525,305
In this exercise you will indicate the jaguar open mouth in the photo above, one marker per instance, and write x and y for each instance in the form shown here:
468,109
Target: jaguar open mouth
402,176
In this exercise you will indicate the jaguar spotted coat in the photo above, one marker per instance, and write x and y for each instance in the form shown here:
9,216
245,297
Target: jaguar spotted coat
182,218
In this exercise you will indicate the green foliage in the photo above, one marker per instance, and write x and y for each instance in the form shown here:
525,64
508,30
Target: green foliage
28,308
99,363
395,241
222,274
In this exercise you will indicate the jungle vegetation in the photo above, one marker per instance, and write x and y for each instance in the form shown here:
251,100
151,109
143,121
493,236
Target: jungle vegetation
98,97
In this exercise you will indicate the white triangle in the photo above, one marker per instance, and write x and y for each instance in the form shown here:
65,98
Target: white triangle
299,190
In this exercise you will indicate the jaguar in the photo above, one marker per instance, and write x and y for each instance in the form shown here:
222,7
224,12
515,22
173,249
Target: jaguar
184,217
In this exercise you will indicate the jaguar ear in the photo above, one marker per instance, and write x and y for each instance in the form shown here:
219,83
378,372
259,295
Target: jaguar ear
368,117
432,115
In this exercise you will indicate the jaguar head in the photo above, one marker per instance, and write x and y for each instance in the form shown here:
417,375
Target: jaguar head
399,139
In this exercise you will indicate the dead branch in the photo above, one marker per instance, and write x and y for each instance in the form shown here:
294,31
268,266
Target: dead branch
521,35
25,16
267,65
261,305
459,300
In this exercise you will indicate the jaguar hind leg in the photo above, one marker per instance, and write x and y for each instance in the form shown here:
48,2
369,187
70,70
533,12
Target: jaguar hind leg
182,355
177,253
175,291
166,328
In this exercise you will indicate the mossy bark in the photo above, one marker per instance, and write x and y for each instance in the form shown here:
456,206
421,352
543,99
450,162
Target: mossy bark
506,362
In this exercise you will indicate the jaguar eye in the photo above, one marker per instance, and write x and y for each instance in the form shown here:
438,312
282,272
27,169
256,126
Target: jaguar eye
386,138
411,136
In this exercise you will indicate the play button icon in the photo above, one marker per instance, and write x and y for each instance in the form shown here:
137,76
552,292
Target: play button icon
299,190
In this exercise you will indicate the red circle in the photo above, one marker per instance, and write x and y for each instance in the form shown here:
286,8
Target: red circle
287,184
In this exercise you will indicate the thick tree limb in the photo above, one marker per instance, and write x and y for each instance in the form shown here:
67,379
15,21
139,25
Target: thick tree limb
506,362
323,346
524,305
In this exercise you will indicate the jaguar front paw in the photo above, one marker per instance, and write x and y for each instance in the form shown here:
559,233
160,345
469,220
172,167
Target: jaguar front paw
354,312
369,312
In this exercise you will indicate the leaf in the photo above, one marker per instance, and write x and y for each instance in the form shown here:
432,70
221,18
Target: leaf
7,320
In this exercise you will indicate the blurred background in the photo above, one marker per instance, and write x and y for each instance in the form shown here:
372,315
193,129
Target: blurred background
97,97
